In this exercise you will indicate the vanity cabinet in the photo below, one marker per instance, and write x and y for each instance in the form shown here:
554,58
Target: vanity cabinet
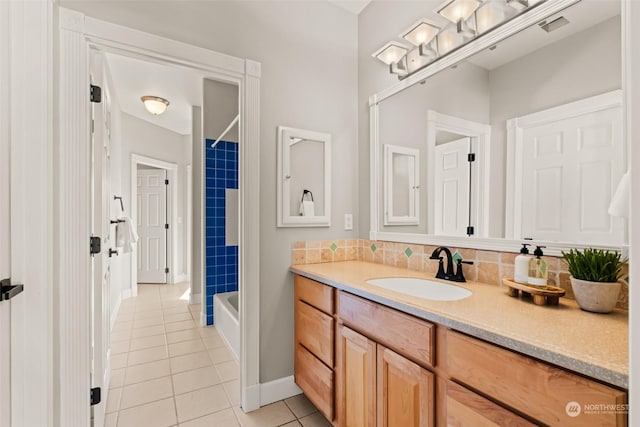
314,343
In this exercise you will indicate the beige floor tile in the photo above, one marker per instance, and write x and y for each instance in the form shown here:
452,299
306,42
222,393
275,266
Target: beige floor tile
272,415
208,331
147,342
113,400
220,354
151,306
300,406
180,326
225,418
147,355
116,377
195,379
148,315
119,361
213,341
186,347
111,420
292,424
120,336
228,371
172,311
188,335
145,323
156,414
190,361
147,371
197,403
147,332
232,388
145,392
120,326
315,420
119,347
177,317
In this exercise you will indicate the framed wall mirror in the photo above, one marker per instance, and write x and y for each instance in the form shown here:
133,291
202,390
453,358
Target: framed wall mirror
304,178
520,134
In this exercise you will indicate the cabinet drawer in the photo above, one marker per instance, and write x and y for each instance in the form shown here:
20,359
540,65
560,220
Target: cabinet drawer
466,408
314,293
315,379
314,330
527,385
405,334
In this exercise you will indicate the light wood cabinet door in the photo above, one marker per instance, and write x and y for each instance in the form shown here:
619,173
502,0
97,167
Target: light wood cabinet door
356,369
315,379
466,408
405,392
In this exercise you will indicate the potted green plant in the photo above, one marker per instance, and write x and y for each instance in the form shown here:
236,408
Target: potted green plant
595,275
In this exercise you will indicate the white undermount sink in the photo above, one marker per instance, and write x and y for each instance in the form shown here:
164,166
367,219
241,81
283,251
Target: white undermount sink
422,288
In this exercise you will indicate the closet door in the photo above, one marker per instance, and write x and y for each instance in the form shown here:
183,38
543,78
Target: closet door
152,220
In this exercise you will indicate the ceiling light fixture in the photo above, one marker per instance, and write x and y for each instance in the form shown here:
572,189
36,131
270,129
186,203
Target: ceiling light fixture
469,19
154,104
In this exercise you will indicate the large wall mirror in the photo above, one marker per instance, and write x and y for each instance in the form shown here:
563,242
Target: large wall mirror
520,140
304,178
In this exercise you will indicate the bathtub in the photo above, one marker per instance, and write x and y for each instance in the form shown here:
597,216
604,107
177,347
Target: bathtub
225,311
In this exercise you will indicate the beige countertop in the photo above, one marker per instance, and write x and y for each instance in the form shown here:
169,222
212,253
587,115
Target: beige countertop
592,344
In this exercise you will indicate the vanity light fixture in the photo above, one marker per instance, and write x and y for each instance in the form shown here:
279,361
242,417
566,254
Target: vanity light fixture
154,104
469,19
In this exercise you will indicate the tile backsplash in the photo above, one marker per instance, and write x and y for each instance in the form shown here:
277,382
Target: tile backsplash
488,266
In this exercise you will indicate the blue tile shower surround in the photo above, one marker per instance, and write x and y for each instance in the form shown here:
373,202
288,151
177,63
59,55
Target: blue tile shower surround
221,173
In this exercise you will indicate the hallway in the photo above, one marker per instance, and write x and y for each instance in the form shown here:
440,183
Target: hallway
167,371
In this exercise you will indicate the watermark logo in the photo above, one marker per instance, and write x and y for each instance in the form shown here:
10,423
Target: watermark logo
573,409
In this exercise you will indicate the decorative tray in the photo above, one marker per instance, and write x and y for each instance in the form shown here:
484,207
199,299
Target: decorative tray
541,295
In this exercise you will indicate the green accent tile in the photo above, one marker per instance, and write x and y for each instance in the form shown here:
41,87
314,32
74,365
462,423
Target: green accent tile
408,252
373,247
333,247
626,279
456,256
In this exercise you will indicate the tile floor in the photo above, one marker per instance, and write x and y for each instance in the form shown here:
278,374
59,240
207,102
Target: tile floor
167,371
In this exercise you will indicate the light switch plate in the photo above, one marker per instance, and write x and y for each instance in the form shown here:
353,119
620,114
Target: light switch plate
348,222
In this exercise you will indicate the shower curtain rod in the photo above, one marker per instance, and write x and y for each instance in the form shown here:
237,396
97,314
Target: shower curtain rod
233,122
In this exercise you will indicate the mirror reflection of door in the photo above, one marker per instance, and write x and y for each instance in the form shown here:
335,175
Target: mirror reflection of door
306,174
452,187
402,185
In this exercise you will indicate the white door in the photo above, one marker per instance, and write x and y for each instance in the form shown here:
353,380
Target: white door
451,188
101,227
570,168
152,223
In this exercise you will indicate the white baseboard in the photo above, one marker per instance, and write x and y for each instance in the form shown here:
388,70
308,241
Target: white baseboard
126,294
114,312
279,389
179,278
195,299
203,319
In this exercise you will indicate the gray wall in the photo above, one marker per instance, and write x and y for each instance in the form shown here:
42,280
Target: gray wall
197,183
308,52
220,107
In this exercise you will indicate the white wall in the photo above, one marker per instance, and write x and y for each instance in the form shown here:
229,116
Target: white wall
197,220
145,139
308,52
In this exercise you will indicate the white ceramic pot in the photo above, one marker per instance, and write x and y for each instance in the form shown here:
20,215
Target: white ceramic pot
598,297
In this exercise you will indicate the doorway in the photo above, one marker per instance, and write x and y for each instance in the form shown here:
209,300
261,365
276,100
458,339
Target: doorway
152,223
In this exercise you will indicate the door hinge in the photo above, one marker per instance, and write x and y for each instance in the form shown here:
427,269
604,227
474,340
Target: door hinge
166,182
470,230
8,291
166,269
94,245
471,157
166,226
95,94
95,395
93,125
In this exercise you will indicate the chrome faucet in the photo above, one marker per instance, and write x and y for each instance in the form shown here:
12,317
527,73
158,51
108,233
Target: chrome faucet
448,275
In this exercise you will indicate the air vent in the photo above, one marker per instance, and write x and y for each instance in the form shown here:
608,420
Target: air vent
553,25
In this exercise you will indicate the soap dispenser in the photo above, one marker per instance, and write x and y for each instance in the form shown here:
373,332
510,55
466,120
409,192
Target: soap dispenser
538,269
521,265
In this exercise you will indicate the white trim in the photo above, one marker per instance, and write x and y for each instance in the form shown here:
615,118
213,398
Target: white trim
77,34
182,277
189,226
172,205
481,133
126,294
114,312
283,189
515,150
279,389
34,378
516,25
195,299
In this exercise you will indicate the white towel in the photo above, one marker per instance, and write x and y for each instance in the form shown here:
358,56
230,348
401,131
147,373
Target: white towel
307,208
126,236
